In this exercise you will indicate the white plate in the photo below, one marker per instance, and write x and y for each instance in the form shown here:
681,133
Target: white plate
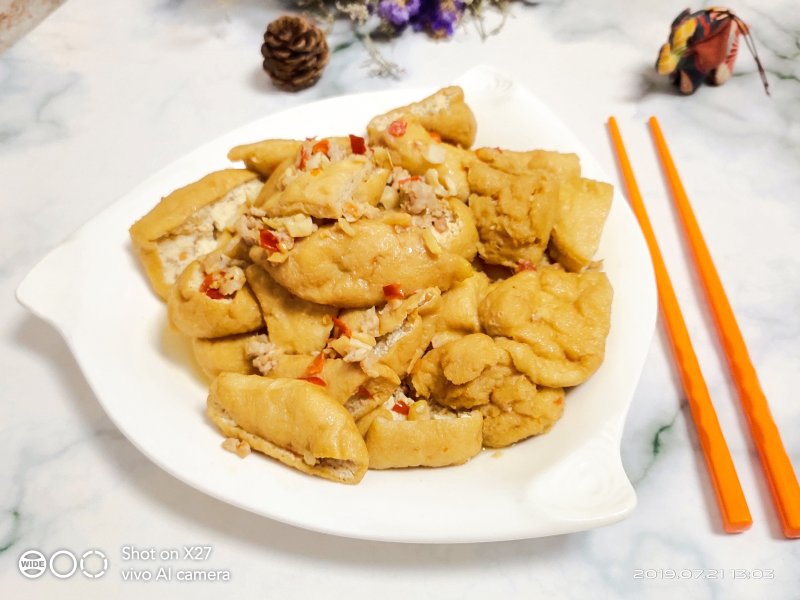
92,290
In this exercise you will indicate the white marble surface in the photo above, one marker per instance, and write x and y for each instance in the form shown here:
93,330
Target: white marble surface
101,95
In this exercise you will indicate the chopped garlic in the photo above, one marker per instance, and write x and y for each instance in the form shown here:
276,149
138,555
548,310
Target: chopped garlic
297,226
430,242
389,198
278,257
365,338
434,154
351,349
231,280
399,219
238,447
263,353
346,227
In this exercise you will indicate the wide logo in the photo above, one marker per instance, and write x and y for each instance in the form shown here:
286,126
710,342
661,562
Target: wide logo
63,564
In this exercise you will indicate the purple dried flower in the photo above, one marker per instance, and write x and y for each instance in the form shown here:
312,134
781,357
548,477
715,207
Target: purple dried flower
398,12
438,16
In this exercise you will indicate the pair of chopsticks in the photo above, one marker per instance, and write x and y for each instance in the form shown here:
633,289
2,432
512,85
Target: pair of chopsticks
778,469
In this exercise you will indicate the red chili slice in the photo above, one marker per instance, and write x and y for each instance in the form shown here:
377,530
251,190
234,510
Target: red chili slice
400,407
398,128
316,366
211,292
207,281
393,291
342,326
364,392
357,144
301,163
525,265
268,240
321,146
215,294
315,380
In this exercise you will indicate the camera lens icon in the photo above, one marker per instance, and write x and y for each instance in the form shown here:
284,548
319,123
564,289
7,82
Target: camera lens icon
73,564
32,564
99,555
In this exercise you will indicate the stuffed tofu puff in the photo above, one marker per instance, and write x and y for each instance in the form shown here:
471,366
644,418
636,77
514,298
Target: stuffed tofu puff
396,300
583,204
225,354
444,112
428,439
266,156
189,223
209,304
328,181
296,326
349,267
515,214
554,324
292,421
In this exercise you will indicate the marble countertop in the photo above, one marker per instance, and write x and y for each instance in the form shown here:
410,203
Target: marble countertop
101,95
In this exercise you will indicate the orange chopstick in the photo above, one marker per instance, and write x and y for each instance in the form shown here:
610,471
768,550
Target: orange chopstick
777,466
730,497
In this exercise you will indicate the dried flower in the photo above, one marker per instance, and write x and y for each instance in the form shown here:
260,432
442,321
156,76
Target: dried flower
439,17
376,19
398,12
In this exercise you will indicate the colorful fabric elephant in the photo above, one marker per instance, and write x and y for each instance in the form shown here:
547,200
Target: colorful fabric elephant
702,47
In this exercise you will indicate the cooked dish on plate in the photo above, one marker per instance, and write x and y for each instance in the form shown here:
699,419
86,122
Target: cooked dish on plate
389,300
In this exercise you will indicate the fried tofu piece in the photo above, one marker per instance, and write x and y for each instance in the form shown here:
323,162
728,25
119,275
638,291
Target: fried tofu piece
344,188
296,326
342,379
196,314
371,394
466,359
349,269
554,323
403,347
293,421
444,112
394,314
519,410
582,211
563,166
449,222
457,313
412,148
514,214
463,373
345,381
265,156
475,372
448,438
362,321
225,354
276,181
327,180
189,223
459,234
404,332
582,206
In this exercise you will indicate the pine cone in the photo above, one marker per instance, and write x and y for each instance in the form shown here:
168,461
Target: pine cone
295,52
